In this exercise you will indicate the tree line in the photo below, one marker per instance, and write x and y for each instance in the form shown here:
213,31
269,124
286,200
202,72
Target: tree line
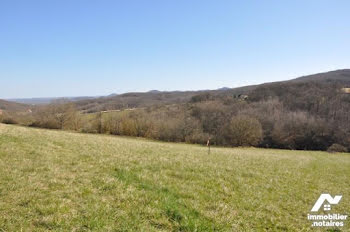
302,116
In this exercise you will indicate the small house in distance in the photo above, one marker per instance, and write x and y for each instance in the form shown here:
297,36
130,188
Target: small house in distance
345,90
1,112
241,96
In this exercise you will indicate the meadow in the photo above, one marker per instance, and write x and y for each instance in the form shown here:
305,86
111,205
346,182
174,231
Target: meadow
67,181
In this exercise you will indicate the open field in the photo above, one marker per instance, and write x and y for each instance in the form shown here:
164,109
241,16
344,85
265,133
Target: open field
62,181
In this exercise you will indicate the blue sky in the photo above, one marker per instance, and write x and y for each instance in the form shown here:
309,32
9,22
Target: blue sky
79,48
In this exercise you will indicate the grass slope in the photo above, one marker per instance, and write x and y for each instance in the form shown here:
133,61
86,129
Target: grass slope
54,180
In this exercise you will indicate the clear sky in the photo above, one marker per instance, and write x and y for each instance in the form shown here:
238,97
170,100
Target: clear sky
89,47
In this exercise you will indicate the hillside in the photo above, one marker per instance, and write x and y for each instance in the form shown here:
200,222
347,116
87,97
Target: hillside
342,75
319,94
155,97
13,106
152,98
312,114
62,181
134,100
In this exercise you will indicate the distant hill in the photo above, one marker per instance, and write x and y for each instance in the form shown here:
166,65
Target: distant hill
12,106
338,75
133,100
224,88
156,97
308,113
306,89
154,91
42,101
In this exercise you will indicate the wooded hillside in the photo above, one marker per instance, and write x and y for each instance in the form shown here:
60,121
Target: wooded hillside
307,113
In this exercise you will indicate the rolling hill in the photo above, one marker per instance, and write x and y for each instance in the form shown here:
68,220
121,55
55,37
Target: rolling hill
134,100
13,106
64,181
342,75
155,97
307,113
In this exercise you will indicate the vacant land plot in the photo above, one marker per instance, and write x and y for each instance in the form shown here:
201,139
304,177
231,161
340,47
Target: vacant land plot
55,180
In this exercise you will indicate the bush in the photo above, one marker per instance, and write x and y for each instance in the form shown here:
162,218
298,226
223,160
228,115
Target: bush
9,121
301,131
337,148
197,137
128,127
243,131
211,116
170,130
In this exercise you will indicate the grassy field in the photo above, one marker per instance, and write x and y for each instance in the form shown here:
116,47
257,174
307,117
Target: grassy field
62,181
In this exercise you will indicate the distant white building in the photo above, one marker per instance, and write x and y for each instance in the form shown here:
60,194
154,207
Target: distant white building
346,90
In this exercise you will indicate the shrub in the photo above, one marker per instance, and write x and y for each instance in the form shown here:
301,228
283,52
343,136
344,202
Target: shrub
89,128
197,137
211,116
49,124
9,121
170,130
301,131
128,127
243,131
337,148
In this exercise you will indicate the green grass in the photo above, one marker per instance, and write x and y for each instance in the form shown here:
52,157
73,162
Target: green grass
62,181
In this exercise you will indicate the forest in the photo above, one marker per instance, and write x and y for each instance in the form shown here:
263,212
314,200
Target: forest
303,114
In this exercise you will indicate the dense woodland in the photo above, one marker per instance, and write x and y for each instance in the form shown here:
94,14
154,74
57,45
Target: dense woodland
303,114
